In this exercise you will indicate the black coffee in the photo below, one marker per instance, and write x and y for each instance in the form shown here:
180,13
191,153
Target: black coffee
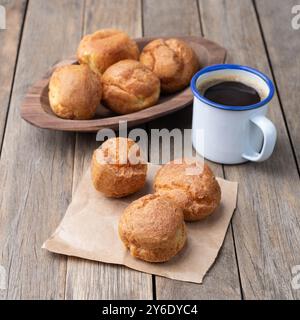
232,93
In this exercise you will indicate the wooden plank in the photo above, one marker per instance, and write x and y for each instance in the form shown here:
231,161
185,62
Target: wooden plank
285,59
36,165
266,223
182,18
85,279
10,39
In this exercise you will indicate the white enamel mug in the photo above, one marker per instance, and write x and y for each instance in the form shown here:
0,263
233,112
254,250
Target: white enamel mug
232,134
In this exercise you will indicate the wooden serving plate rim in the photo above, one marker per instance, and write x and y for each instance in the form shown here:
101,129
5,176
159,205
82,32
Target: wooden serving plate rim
33,112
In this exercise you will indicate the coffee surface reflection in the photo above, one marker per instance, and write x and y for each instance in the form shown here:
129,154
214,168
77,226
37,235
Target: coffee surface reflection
232,93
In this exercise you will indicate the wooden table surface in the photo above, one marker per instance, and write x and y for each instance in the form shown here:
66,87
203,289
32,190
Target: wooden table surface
39,169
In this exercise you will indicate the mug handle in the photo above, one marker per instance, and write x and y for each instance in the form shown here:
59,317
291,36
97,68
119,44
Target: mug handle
269,139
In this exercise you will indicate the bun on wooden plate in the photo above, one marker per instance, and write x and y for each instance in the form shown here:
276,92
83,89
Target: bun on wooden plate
117,168
153,229
128,86
172,60
190,186
106,47
74,92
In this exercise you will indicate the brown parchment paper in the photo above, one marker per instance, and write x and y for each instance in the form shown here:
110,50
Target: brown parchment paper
89,230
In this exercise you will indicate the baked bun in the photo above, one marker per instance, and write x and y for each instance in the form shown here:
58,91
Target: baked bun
172,60
106,47
74,92
153,229
191,186
117,168
128,86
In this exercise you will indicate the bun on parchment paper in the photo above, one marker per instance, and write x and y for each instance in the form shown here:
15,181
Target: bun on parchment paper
191,186
152,229
118,168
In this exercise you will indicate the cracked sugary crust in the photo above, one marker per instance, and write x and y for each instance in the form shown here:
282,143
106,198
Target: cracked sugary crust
128,86
172,60
198,194
153,229
106,47
74,92
113,177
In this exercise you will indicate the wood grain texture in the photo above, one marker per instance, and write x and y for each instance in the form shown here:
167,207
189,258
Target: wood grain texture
36,106
36,166
10,39
266,223
283,45
182,17
85,279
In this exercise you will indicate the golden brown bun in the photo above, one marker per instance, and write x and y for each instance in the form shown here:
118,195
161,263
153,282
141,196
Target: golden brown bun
74,92
106,47
128,86
114,171
194,189
172,60
153,229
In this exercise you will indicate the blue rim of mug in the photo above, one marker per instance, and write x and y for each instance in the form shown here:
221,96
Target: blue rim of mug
232,67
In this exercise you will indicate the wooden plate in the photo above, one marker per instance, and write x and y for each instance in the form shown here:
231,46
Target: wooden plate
36,109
